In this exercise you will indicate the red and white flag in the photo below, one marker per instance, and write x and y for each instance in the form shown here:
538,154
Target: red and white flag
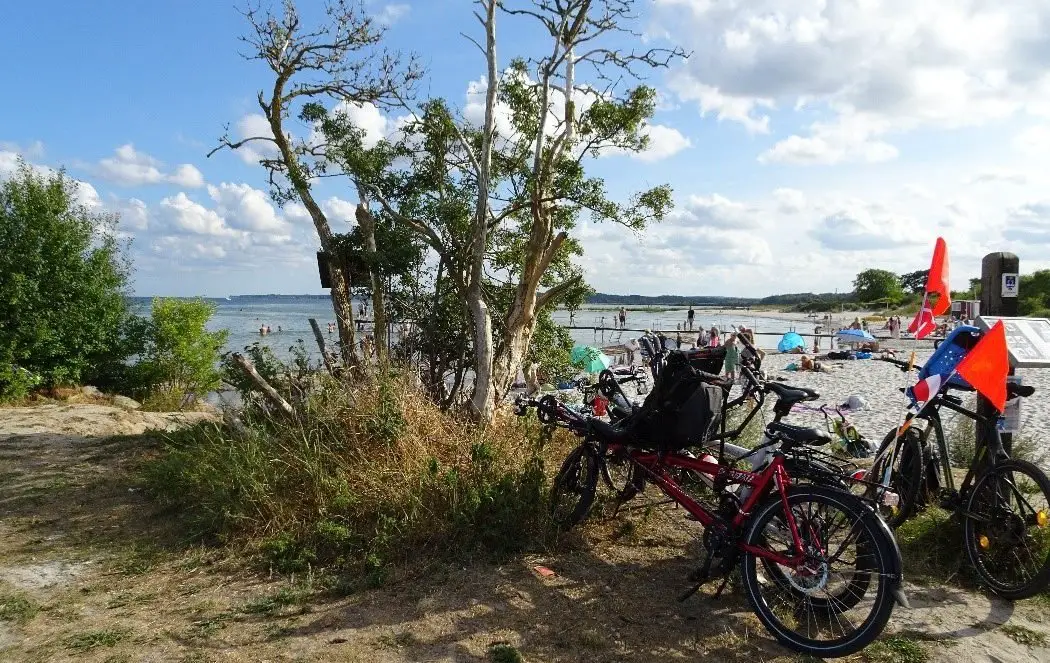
923,324
926,389
936,284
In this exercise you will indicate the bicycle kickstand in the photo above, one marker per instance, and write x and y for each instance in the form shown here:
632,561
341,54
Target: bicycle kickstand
700,576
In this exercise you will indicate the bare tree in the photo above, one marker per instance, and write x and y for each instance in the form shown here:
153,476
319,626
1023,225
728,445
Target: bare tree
338,60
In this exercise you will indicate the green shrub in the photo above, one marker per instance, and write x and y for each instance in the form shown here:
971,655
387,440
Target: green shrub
63,283
364,477
181,356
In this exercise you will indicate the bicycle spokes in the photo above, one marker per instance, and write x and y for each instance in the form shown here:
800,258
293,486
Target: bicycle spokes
1010,528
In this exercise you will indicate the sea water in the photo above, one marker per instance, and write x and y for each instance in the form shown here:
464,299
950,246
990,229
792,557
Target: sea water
288,320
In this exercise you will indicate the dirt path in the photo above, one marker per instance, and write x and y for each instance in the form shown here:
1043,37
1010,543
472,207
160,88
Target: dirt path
90,571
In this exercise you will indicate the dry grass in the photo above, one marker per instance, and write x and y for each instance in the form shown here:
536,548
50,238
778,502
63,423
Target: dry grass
358,477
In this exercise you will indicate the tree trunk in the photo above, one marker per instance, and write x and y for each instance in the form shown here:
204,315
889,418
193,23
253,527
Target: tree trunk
271,394
341,300
368,227
321,345
483,403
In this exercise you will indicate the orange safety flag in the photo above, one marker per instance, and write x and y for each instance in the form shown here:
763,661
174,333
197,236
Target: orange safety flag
937,281
986,366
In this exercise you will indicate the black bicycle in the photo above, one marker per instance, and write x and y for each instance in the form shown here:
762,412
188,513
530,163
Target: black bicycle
1003,502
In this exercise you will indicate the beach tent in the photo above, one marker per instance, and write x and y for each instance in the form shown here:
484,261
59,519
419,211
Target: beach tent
590,359
854,336
790,341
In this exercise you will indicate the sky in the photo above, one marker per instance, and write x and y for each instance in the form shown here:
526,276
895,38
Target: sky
805,140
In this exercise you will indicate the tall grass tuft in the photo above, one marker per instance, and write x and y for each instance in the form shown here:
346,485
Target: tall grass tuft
363,477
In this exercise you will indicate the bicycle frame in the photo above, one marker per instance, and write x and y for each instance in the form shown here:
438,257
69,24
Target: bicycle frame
774,477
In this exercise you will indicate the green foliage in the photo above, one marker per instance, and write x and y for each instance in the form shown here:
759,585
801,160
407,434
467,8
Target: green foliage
915,282
501,652
17,608
63,280
873,285
1034,294
181,355
551,348
368,476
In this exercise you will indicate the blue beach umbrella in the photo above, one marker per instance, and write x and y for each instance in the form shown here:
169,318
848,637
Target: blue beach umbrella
790,341
854,336
590,359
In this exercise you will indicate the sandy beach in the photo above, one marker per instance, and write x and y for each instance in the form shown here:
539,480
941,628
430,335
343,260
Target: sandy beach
879,383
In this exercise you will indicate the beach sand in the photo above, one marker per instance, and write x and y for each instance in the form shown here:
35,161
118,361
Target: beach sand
879,382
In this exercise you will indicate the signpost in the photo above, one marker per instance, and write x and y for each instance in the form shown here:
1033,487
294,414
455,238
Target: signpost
999,286
1027,339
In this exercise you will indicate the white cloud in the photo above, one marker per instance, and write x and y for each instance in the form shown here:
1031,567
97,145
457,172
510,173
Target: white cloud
188,176
85,194
255,125
34,150
392,13
664,142
849,139
129,167
246,208
182,215
860,226
993,176
868,70
1029,223
714,211
1034,140
341,210
790,201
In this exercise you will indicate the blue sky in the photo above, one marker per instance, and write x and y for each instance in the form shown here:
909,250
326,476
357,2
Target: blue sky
804,139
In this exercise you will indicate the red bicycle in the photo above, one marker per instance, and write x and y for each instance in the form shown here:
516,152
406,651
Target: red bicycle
820,569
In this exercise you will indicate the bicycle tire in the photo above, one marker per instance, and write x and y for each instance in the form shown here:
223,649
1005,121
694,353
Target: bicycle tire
879,549
579,475
905,480
988,532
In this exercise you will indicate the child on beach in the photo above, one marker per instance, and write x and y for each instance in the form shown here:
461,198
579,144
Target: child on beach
732,357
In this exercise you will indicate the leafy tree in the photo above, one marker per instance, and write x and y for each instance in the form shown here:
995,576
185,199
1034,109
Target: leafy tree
496,208
915,282
63,282
877,284
1034,292
181,356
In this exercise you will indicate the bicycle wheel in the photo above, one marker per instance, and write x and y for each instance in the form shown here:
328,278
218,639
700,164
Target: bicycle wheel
1007,529
905,478
818,609
573,491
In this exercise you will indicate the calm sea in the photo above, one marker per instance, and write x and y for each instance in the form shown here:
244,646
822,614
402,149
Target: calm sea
288,318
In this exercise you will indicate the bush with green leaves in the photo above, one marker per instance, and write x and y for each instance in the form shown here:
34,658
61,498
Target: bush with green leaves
181,356
63,283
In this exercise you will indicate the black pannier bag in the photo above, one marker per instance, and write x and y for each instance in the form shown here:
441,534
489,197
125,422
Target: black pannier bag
681,411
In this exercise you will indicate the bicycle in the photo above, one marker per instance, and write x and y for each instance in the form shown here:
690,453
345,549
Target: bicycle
1002,501
776,534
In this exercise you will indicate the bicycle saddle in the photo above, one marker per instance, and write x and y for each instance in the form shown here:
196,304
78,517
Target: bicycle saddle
791,395
608,432
798,434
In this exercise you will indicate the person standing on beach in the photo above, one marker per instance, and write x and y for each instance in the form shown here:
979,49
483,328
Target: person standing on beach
714,342
702,339
732,357
623,317
689,317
